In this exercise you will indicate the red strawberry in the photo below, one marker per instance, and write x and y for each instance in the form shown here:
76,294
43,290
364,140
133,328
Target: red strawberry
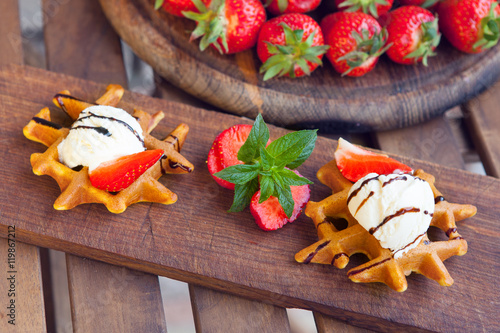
373,7
356,42
354,163
413,33
428,4
118,174
278,7
290,45
471,26
224,151
269,215
176,7
230,26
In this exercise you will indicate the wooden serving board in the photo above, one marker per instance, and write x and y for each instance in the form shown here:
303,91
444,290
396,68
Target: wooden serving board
391,96
197,241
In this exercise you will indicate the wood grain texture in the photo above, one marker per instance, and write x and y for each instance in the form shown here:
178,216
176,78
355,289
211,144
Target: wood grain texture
483,119
104,304
220,312
26,289
392,96
327,324
29,315
197,241
103,297
431,141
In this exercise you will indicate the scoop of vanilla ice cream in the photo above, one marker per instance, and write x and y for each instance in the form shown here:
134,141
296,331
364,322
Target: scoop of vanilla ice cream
101,133
397,209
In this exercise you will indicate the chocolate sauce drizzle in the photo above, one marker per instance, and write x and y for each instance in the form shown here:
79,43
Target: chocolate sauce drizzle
172,165
400,212
394,179
356,191
364,201
174,142
46,122
312,254
98,129
438,199
91,115
409,244
338,256
357,271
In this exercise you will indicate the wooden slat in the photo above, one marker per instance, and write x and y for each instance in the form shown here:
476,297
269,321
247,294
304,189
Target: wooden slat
326,324
220,312
27,291
215,311
483,118
80,42
114,299
432,141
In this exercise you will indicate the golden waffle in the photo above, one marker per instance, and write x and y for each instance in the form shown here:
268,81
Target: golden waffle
75,186
336,246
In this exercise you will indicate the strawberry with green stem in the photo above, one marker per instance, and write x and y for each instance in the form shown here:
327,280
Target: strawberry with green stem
269,170
356,42
472,26
278,7
413,32
374,8
290,45
176,7
230,26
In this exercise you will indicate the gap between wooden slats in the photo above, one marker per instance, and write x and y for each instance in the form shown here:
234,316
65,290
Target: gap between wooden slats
482,117
80,42
21,295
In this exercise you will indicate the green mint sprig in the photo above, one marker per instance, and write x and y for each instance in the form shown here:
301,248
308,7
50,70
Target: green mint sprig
269,168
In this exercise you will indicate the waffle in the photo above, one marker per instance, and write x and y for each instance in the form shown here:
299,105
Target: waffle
75,186
335,246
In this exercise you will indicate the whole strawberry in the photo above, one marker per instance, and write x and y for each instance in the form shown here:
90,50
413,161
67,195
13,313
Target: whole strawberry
356,42
278,7
176,7
230,26
290,45
373,7
413,32
471,26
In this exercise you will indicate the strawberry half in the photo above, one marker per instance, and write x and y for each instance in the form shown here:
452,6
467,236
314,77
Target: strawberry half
224,151
354,163
120,173
269,215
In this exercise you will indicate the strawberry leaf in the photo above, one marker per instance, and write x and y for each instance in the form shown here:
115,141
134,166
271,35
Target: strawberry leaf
158,4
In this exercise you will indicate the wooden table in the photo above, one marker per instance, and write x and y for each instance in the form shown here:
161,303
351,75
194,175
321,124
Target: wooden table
80,42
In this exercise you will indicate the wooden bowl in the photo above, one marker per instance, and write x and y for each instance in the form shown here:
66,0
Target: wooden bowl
391,96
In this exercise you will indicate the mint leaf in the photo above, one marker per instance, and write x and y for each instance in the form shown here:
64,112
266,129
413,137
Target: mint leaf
258,135
266,158
285,199
243,195
290,178
306,152
288,149
158,4
239,173
266,188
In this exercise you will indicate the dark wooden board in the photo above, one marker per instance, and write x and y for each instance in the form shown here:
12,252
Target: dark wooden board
392,96
196,241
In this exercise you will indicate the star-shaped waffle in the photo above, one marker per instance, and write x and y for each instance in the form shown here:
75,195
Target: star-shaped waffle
336,246
75,186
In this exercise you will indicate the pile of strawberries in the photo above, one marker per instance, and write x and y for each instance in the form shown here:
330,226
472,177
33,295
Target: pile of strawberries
353,38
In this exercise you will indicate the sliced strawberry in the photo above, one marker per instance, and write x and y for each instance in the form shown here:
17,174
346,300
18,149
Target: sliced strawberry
224,151
118,174
269,215
354,163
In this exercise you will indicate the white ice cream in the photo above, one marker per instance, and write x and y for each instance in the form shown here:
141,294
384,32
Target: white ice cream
397,209
100,134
